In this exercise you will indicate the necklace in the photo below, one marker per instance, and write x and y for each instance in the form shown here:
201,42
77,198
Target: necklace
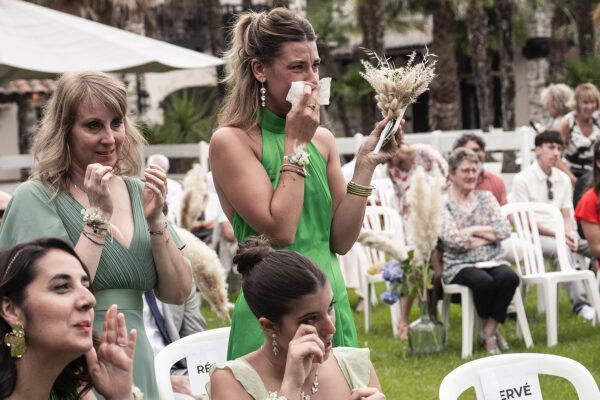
315,385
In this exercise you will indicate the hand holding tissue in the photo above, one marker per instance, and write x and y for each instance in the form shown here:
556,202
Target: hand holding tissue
297,89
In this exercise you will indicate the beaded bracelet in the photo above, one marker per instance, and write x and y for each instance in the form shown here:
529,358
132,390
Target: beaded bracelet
359,190
292,168
92,239
158,232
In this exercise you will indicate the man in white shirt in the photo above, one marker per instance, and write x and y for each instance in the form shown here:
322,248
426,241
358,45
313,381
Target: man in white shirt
543,182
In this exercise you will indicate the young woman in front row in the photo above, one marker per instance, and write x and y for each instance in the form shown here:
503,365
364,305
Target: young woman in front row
293,301
46,314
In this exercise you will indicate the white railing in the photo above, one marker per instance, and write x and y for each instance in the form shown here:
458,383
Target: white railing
520,140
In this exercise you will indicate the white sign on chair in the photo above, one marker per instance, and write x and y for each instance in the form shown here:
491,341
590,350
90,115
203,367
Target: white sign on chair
200,356
511,382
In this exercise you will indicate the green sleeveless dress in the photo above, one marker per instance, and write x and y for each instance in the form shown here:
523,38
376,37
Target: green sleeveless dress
312,240
123,273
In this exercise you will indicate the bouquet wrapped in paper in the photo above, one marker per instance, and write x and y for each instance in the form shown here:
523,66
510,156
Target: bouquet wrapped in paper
396,88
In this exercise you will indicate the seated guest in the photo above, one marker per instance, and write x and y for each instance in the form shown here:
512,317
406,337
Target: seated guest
555,99
543,182
579,130
400,169
166,323
486,180
472,227
293,301
46,314
586,212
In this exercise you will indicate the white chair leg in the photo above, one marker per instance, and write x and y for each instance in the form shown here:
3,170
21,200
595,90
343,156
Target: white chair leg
594,298
522,324
446,311
467,325
550,290
368,289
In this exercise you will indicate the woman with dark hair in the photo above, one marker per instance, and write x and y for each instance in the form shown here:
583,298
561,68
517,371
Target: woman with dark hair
587,212
472,228
293,301
46,313
276,171
83,191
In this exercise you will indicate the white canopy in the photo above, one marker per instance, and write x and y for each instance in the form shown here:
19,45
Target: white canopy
38,42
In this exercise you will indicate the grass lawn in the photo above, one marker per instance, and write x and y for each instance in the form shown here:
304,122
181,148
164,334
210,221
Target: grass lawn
404,376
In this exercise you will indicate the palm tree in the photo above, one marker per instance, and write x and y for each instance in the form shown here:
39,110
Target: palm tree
477,31
558,40
444,90
371,18
507,73
582,10
214,20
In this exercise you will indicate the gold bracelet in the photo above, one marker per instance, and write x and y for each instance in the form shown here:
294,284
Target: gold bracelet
359,190
153,233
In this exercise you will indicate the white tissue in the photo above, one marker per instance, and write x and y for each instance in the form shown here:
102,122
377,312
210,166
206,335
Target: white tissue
297,89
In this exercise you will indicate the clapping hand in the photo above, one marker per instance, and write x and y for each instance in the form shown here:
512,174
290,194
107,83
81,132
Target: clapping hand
154,195
95,184
111,366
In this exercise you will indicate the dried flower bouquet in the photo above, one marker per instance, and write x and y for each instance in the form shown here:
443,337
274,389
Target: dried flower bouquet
396,88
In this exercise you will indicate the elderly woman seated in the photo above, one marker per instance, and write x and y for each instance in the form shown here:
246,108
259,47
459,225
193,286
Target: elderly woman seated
472,228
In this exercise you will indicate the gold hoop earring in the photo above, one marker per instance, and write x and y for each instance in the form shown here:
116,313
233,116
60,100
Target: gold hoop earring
15,340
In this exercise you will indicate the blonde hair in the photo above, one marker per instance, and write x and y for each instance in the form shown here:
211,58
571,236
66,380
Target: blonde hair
585,91
50,146
256,35
558,95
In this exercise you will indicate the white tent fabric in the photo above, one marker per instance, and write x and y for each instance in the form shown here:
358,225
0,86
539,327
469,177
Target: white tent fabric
38,42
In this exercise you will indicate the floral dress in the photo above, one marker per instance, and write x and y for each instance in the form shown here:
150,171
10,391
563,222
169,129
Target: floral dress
457,251
426,157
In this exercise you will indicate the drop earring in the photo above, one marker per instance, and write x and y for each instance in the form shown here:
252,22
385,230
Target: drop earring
274,342
15,341
262,94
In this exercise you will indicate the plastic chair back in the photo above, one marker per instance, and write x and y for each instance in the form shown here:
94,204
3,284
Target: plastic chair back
467,375
176,351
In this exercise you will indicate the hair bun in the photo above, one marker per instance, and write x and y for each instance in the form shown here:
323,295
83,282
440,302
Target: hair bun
250,253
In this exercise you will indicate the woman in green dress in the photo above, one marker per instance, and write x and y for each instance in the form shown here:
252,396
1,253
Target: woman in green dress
46,313
258,158
79,192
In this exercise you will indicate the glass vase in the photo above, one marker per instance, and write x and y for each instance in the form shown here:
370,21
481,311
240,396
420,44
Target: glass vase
426,336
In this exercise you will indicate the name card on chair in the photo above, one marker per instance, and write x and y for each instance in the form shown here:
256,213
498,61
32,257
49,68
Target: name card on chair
200,356
511,382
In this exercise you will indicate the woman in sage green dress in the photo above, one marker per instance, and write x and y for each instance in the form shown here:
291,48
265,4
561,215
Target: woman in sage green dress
259,161
79,192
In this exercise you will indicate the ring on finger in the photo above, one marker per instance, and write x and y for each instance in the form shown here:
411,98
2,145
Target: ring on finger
313,106
122,344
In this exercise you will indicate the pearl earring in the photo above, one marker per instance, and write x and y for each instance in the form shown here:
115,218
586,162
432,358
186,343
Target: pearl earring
262,94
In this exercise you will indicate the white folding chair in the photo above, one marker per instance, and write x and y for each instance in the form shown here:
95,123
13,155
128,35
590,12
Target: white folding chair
531,266
467,375
470,319
384,192
176,351
384,221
